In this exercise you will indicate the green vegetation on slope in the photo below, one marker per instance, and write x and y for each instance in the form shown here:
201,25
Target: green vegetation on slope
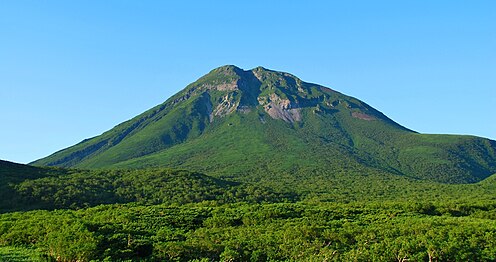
242,148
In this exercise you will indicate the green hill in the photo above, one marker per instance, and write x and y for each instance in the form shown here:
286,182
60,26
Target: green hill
12,174
26,188
262,125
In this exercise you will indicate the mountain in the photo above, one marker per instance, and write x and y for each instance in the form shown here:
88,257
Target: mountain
263,125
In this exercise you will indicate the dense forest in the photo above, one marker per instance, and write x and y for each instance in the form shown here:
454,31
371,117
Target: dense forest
209,231
51,214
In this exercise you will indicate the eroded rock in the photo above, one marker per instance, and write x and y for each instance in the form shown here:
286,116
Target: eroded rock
362,116
279,108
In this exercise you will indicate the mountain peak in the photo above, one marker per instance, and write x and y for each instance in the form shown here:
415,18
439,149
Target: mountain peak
260,68
229,89
227,70
260,72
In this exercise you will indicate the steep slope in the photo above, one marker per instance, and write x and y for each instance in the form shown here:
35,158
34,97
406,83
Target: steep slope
260,124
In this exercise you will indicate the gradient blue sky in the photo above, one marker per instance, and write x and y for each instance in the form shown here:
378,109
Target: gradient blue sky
70,70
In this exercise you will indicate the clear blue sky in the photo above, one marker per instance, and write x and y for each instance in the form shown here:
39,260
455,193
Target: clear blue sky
70,70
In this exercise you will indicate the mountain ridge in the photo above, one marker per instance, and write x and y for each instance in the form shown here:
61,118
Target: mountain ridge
242,123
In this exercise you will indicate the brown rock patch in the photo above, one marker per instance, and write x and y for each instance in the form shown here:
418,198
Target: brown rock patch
362,116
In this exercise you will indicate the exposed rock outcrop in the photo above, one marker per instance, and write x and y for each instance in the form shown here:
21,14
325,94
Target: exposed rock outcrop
279,108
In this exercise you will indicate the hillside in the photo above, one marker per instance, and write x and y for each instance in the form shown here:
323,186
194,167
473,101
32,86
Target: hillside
26,188
259,124
12,174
